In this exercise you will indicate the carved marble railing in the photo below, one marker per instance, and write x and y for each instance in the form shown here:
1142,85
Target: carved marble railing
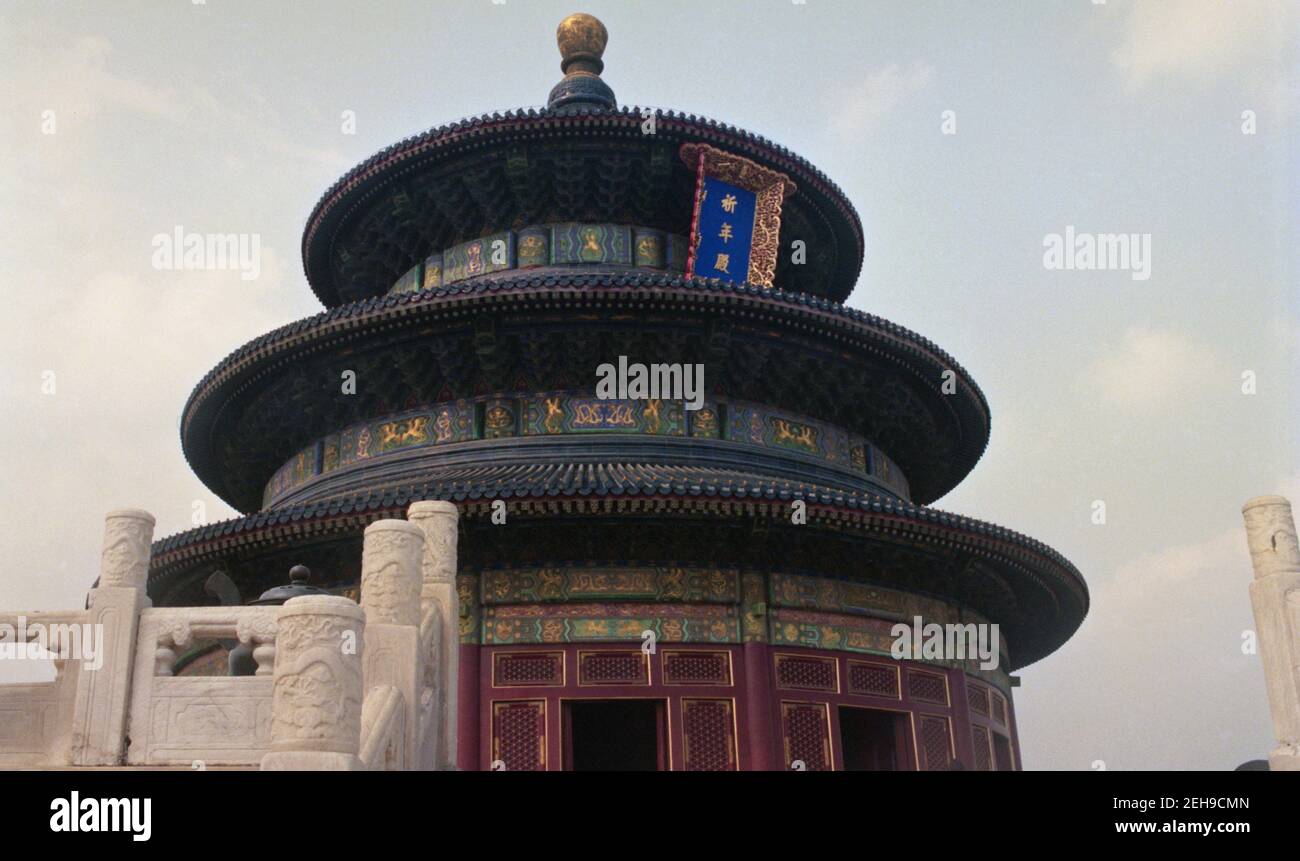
218,720
383,730
82,715
337,685
35,717
440,641
431,732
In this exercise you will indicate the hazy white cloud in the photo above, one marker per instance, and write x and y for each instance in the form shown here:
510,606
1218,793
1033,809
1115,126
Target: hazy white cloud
1199,39
1151,369
1162,643
1159,663
79,78
856,109
75,79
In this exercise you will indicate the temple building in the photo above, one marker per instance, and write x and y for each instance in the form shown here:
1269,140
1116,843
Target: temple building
645,582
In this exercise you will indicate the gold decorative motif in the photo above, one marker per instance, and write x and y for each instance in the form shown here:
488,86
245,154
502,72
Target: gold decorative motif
443,425
601,415
554,415
706,423
395,434
498,418
590,245
651,416
792,433
649,251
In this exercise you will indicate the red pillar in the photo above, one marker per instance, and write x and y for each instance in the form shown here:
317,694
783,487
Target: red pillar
961,724
759,709
467,707
1013,732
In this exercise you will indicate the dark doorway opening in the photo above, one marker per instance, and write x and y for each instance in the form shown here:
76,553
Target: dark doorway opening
872,740
614,735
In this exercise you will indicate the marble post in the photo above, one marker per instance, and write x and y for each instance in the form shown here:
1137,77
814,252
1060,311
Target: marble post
103,686
316,703
390,594
1275,598
438,521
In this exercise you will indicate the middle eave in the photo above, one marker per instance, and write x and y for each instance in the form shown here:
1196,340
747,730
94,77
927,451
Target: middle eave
281,391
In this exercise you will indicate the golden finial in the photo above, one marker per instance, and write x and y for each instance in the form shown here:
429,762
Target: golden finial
582,39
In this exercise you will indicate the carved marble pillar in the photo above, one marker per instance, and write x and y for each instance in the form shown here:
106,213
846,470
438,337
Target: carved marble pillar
103,687
390,595
1275,598
316,703
439,523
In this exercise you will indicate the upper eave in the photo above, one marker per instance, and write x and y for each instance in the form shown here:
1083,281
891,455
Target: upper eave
357,194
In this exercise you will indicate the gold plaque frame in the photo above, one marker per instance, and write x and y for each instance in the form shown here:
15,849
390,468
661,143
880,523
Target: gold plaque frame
770,188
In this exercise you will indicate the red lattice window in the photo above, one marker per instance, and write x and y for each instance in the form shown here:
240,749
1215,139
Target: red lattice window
697,668
519,735
936,743
977,696
873,680
979,737
806,674
927,687
999,708
708,735
528,669
806,727
613,668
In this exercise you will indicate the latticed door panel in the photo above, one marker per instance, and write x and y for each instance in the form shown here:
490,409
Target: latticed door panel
936,743
983,754
1002,753
519,735
708,735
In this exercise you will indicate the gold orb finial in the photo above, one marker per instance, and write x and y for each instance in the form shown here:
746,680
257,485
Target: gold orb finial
582,39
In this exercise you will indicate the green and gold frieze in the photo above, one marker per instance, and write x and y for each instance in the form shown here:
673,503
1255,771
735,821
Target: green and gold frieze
560,413
591,243
502,416
303,466
586,623
547,244
842,596
700,585
832,631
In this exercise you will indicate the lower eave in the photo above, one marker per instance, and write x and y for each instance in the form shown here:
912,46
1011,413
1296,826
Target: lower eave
663,496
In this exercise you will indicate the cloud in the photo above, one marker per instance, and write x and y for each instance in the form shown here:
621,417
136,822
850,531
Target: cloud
99,85
1156,678
78,77
1199,39
857,108
1150,369
75,79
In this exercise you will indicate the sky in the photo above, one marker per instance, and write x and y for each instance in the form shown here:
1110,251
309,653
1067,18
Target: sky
966,134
